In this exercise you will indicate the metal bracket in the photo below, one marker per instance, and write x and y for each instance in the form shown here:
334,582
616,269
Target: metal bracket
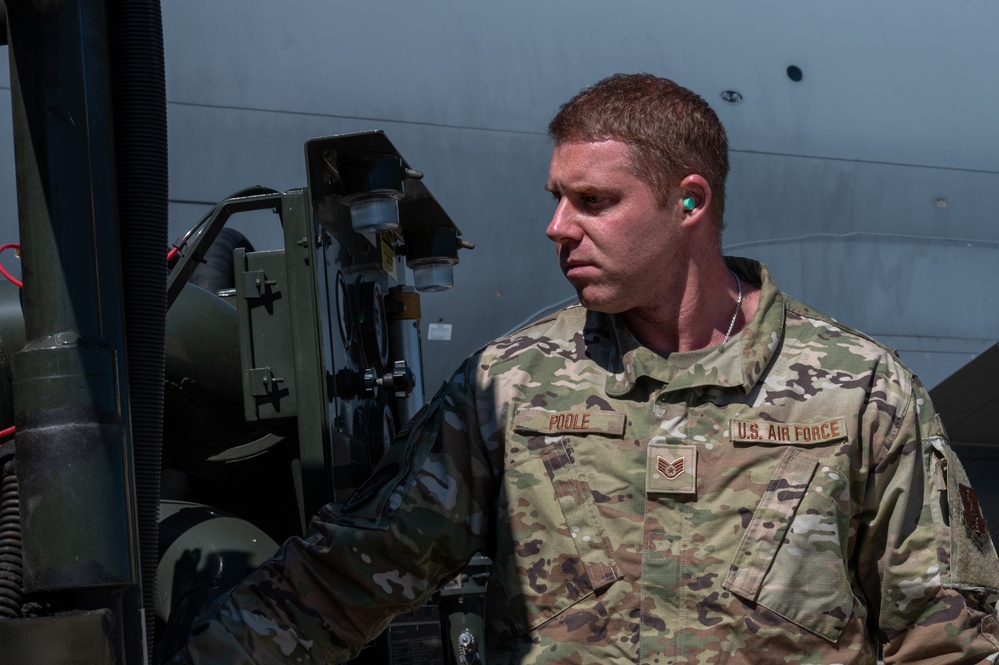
263,382
256,284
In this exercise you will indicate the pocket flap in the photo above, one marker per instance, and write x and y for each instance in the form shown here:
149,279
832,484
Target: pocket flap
791,560
770,523
576,499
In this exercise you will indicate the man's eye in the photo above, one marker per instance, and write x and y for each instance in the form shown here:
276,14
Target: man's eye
592,200
556,195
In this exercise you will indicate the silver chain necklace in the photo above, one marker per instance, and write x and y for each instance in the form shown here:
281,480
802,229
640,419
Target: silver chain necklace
738,305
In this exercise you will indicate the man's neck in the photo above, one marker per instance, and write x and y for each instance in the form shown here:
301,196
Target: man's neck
697,312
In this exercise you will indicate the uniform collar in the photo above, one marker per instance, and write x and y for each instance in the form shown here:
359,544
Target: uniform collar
738,363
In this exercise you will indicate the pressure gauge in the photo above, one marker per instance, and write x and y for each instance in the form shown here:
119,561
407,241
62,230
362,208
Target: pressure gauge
374,324
344,317
374,430
382,428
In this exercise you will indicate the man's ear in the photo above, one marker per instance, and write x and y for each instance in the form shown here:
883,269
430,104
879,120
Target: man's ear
695,198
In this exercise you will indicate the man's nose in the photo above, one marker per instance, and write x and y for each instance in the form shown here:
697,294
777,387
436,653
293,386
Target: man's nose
563,225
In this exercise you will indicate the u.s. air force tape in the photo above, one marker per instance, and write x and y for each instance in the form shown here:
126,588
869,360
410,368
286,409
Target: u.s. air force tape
540,421
763,431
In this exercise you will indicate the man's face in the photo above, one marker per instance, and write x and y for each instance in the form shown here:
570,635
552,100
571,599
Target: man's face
615,245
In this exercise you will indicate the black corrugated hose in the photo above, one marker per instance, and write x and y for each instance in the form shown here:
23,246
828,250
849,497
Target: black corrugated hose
135,31
11,561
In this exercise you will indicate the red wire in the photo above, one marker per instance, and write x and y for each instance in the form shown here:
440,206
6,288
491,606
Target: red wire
4,433
3,271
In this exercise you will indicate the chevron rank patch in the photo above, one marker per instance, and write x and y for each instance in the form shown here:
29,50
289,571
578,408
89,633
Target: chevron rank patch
671,469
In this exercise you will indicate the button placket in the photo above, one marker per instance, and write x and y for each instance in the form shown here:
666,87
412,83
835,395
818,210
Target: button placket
667,538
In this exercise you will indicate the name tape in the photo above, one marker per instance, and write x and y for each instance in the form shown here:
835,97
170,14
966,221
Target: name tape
539,421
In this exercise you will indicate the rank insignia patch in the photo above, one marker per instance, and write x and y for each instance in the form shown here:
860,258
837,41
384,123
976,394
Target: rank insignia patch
671,469
974,521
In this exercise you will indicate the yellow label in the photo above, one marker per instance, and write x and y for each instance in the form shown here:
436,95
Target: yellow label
386,242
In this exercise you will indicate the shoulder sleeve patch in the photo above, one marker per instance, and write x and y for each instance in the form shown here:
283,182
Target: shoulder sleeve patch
974,521
973,556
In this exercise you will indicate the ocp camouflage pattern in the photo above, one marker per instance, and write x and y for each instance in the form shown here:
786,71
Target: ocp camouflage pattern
810,509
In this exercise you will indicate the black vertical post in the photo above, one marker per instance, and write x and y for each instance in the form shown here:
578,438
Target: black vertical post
75,466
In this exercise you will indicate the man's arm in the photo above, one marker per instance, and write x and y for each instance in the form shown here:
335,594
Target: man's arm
417,521
925,554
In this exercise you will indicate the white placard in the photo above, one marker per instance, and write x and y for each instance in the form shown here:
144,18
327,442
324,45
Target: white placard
439,332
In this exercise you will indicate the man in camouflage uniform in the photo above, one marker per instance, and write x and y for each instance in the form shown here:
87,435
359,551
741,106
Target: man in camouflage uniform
690,467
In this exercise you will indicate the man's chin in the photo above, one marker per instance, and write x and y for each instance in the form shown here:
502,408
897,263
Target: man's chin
596,303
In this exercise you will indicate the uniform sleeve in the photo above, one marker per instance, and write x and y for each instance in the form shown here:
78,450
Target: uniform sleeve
925,555
411,527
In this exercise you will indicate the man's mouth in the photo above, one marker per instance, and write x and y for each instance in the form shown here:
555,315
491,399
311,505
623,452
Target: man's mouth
574,268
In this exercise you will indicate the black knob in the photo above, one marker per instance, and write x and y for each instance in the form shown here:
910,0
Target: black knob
400,381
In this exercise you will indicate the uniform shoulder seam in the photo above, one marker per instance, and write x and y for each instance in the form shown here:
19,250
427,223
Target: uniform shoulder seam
509,344
543,320
549,318
806,311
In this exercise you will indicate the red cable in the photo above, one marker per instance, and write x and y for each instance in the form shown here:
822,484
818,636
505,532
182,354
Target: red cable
4,433
3,271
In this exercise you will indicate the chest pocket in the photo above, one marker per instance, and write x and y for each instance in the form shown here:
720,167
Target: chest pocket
557,551
791,559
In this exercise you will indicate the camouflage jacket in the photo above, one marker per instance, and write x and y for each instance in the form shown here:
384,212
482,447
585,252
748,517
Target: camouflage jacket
788,496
